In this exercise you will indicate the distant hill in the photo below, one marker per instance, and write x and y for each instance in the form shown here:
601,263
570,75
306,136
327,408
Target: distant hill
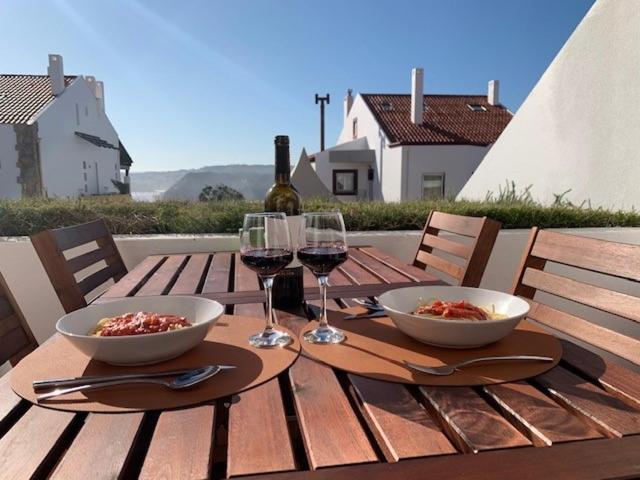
251,180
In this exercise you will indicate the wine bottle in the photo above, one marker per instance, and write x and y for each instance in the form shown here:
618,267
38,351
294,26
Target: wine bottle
288,289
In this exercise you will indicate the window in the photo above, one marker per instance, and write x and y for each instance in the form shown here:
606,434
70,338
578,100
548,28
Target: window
77,114
345,182
386,106
355,128
85,188
85,176
432,186
84,164
476,108
86,111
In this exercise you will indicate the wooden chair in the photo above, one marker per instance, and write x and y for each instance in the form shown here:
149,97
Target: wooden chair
618,260
51,245
16,339
475,255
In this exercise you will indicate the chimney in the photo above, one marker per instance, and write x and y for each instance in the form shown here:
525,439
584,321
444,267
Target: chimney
91,82
493,92
56,74
348,103
100,96
417,95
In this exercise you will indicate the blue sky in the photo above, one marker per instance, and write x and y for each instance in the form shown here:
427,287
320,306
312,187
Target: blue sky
202,82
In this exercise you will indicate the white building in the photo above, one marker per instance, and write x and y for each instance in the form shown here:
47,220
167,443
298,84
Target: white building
396,147
579,128
55,137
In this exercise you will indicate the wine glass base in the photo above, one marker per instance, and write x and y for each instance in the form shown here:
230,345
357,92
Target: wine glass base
270,339
325,335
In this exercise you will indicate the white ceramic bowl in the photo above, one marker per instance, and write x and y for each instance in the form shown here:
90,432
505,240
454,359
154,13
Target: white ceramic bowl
453,333
140,349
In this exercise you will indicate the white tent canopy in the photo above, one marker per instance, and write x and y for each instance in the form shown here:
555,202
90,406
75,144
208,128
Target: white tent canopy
306,180
579,128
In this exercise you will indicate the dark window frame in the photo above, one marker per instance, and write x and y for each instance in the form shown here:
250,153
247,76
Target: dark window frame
443,175
354,128
355,181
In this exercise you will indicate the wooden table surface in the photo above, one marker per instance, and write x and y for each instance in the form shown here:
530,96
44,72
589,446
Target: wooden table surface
579,420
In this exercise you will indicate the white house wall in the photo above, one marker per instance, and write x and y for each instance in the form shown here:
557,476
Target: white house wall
9,172
579,128
457,162
392,174
62,152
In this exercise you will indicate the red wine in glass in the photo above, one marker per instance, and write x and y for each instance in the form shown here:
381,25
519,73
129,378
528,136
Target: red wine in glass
267,261
322,260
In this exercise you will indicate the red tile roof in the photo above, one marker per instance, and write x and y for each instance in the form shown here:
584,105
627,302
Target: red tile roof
447,119
22,96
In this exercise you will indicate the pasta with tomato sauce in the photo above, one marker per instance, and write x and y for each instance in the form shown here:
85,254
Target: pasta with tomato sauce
457,310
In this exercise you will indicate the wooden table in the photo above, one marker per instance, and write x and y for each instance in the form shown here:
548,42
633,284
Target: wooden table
580,420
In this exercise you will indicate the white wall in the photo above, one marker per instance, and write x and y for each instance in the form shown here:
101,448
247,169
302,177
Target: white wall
62,152
457,162
9,172
579,128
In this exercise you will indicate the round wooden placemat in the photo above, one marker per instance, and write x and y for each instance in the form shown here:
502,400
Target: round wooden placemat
375,348
226,343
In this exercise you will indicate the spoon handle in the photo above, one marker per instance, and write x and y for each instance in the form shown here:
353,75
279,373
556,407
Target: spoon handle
93,386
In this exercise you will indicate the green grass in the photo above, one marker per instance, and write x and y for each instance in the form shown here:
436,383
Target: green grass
24,217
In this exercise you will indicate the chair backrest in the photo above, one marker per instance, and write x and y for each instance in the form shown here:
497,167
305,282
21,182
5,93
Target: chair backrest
603,262
16,339
63,272
473,255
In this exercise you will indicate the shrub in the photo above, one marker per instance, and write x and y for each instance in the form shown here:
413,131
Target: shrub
126,216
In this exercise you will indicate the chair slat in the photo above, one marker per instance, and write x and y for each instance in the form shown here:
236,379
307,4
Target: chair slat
181,445
626,306
32,441
440,243
461,225
609,414
191,276
539,418
101,449
402,427
218,275
614,342
93,281
5,307
612,258
71,237
94,256
440,264
471,423
16,338
50,246
12,343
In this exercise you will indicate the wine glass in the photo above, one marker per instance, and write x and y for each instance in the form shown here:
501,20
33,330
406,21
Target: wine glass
265,247
323,248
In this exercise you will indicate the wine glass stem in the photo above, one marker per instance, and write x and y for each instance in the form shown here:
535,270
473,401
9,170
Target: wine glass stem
267,281
323,281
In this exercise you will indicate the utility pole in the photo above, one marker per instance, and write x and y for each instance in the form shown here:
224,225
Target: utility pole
321,100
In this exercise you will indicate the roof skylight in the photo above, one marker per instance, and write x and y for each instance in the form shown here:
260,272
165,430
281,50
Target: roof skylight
476,107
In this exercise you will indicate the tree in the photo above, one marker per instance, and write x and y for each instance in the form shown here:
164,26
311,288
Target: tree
219,193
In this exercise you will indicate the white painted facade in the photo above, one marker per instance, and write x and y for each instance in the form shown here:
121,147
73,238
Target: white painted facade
398,171
9,187
70,166
579,128
65,157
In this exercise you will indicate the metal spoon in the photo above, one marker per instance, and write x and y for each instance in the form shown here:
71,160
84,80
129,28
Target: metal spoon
449,369
183,381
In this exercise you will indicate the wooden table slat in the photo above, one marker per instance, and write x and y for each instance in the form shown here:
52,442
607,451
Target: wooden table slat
383,272
136,277
102,447
402,427
615,379
218,275
162,279
470,422
610,415
413,273
9,401
357,274
541,420
191,276
325,415
31,441
181,445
